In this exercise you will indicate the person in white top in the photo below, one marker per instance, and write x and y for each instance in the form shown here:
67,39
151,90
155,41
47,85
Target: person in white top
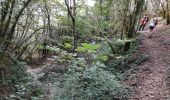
152,24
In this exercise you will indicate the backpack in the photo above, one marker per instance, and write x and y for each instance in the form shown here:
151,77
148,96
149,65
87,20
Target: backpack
156,21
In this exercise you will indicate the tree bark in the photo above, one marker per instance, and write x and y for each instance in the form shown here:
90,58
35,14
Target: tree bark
131,22
11,30
72,14
167,14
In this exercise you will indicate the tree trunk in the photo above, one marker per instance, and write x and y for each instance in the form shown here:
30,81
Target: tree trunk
131,21
167,14
11,30
74,26
72,14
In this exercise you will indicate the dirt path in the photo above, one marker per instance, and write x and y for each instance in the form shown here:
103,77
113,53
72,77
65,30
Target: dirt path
48,74
151,80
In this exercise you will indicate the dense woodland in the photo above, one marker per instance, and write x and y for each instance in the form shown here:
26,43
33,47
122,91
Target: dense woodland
81,49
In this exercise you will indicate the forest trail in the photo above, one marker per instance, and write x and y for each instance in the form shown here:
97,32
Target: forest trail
47,74
151,81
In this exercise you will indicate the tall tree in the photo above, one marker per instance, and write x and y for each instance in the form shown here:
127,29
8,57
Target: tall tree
9,20
72,13
168,11
132,12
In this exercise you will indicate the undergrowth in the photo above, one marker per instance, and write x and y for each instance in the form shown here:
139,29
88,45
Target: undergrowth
124,61
90,82
100,81
14,75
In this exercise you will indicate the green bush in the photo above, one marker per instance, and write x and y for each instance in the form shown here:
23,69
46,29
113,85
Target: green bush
122,62
12,70
84,82
30,90
90,48
119,63
18,73
67,39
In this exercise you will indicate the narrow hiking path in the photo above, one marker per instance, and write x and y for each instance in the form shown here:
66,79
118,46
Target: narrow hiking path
151,76
47,75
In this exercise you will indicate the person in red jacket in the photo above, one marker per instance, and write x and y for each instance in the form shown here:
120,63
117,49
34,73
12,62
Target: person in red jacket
143,22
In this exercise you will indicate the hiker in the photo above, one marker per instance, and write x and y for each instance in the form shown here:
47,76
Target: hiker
156,20
143,22
153,24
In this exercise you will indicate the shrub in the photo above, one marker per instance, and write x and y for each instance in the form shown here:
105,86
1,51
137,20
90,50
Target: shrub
14,76
12,70
84,82
122,62
27,91
90,48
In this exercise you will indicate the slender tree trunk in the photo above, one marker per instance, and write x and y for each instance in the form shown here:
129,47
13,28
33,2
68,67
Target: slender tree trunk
72,14
11,30
48,10
164,13
74,26
167,14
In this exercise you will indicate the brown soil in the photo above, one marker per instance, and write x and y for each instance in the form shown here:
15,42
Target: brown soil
5,90
51,68
151,78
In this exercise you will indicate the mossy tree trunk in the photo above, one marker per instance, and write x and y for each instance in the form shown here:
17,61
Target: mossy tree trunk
131,19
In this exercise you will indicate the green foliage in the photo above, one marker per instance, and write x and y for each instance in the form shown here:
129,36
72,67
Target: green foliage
50,48
85,47
102,58
113,46
15,76
67,39
13,72
54,48
29,90
39,46
124,61
64,56
119,64
67,45
18,73
84,82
